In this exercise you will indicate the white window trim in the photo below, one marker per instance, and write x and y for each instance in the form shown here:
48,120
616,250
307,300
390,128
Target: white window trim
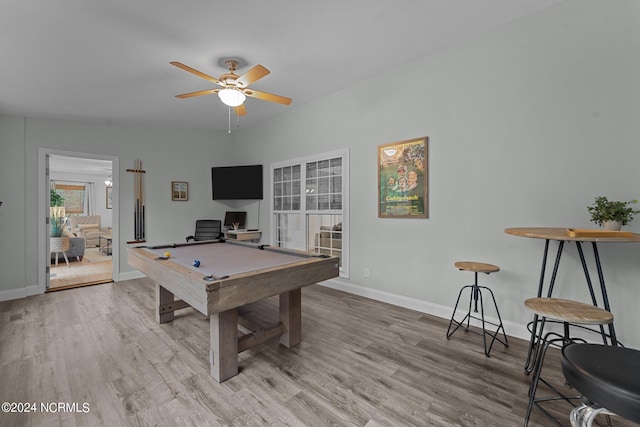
344,153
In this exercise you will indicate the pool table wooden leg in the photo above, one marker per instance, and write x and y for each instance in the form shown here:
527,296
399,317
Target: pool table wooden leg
290,317
223,344
163,297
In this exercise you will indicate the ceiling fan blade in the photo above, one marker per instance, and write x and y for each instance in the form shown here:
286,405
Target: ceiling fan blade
267,96
196,72
198,93
241,110
253,75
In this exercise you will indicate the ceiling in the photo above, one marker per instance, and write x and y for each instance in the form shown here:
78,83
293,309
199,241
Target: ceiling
109,60
80,166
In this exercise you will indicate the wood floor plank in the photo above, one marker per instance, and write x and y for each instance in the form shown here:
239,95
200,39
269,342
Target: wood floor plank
360,363
82,272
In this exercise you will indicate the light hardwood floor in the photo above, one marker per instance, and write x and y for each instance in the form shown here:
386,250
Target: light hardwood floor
361,363
95,267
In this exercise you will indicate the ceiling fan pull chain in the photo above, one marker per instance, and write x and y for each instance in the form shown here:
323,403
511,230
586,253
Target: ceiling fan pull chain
229,119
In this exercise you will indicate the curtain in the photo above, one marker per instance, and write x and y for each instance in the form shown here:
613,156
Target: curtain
90,200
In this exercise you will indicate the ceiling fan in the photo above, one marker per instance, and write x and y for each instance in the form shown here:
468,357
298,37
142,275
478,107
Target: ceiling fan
233,88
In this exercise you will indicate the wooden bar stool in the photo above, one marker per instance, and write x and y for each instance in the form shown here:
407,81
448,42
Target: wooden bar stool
569,313
475,297
608,378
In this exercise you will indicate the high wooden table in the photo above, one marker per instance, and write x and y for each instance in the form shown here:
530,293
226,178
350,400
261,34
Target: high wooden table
561,235
230,275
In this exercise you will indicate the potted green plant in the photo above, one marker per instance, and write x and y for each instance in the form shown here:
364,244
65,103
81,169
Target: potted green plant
612,215
55,199
57,217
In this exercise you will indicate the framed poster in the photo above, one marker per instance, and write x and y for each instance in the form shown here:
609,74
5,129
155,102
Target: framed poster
403,179
179,191
109,197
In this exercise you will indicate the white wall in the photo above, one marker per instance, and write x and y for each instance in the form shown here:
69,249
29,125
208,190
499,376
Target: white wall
527,124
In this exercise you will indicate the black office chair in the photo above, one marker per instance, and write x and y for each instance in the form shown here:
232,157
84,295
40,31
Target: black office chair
207,229
607,377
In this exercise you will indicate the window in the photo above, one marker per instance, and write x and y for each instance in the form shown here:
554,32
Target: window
309,205
73,197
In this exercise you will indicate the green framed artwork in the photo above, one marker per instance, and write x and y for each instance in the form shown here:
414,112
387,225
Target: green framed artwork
403,179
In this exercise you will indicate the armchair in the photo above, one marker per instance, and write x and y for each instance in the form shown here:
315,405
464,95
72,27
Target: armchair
329,240
88,227
207,229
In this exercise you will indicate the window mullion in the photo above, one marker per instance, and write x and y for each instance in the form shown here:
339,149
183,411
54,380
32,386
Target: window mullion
318,222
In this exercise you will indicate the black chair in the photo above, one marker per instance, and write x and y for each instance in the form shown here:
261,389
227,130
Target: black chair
207,229
608,378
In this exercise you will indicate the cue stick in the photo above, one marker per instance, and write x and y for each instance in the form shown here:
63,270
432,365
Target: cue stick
138,197
138,166
139,236
135,200
135,203
141,194
141,203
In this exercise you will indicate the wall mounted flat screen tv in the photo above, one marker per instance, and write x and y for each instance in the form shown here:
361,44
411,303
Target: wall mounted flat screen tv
236,182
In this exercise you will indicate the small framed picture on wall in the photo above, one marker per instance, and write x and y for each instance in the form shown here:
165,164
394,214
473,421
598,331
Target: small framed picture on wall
179,191
109,197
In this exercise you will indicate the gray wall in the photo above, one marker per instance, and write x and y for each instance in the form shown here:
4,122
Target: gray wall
167,154
527,124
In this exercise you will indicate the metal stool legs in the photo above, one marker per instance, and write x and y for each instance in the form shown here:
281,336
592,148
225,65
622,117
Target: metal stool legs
475,299
549,339
570,314
584,415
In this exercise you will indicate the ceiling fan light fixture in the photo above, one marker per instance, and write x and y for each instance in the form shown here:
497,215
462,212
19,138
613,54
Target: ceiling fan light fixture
232,97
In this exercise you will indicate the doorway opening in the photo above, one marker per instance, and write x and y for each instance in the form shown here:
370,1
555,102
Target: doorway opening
79,201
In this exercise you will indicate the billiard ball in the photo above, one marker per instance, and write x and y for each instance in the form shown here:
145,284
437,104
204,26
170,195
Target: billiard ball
196,263
167,254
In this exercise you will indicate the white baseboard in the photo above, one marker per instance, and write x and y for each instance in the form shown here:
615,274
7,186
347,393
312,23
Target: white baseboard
129,275
19,293
33,290
11,294
512,329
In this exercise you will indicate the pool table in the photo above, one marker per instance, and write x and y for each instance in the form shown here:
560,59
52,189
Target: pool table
230,275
